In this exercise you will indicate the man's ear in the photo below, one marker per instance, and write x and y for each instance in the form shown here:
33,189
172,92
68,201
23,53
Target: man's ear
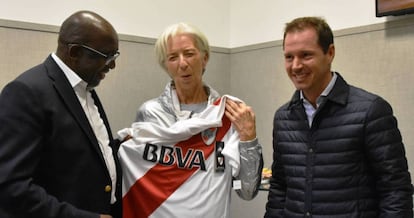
74,51
331,52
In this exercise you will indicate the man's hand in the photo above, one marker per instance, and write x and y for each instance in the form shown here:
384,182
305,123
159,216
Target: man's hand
243,119
105,216
126,138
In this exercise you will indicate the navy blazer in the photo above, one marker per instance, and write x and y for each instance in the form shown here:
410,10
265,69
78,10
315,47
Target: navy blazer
50,161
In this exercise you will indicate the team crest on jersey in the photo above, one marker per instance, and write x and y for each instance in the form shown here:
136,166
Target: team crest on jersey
209,135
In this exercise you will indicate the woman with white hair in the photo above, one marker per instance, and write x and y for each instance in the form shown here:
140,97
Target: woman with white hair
193,176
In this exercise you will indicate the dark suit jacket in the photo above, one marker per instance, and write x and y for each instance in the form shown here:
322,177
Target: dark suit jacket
50,161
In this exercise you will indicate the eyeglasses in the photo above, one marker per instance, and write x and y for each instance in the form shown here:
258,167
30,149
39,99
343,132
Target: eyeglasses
109,58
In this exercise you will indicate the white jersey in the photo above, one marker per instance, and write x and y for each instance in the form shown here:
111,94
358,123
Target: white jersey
171,171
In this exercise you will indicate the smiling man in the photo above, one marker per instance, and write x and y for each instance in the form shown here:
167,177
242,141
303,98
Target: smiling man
337,148
57,154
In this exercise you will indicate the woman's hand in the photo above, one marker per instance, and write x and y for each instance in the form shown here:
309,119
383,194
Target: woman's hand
243,118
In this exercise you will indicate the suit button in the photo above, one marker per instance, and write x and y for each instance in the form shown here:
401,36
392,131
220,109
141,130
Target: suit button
108,188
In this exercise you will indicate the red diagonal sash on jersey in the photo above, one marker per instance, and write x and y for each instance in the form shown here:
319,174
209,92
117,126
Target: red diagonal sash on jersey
158,183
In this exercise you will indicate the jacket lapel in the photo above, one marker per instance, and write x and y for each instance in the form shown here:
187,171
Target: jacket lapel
69,98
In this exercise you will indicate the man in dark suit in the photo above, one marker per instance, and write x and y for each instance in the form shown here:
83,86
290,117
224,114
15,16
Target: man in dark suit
57,154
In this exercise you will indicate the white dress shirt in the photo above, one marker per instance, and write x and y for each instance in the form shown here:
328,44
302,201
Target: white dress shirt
94,118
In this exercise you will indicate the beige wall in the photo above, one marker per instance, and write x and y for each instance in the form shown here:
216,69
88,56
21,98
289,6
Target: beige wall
377,57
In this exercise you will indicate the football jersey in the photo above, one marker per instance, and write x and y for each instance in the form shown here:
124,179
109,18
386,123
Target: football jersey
173,171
